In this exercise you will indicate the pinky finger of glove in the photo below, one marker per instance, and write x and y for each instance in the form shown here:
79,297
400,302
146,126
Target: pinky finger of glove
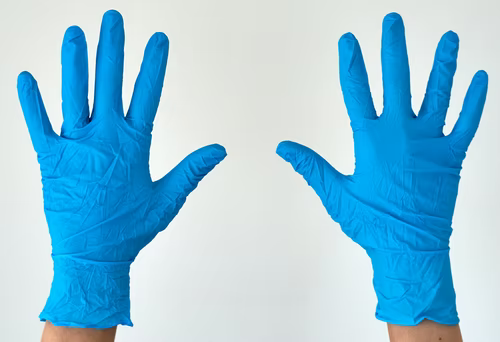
468,121
40,129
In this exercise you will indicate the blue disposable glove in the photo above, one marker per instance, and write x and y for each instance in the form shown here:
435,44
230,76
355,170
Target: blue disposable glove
101,205
398,204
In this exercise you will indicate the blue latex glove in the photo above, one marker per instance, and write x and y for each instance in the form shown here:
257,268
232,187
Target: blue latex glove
101,205
398,204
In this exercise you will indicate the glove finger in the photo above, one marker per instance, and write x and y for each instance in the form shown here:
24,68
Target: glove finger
354,80
184,178
40,129
395,68
147,90
75,80
437,95
109,68
468,121
319,174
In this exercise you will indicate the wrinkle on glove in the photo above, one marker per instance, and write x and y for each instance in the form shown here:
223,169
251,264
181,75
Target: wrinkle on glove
398,204
100,202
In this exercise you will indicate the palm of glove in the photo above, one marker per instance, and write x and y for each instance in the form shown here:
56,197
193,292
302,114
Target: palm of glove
399,202
402,193
99,200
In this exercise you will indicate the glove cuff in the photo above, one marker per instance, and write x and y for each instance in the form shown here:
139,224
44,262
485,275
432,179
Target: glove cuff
413,286
72,303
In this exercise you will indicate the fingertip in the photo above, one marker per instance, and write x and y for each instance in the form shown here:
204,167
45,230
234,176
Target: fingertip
451,36
73,34
160,38
391,19
112,17
481,76
392,31
209,153
218,151
25,81
392,23
303,160
203,160
347,43
280,148
24,76
347,37
112,27
158,41
284,148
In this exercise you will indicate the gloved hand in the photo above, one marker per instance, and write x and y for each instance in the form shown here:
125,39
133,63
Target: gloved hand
101,205
398,204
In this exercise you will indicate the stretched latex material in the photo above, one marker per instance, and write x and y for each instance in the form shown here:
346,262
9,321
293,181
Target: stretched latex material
398,204
101,204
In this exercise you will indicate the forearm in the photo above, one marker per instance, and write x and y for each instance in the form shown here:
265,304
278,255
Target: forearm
426,331
51,333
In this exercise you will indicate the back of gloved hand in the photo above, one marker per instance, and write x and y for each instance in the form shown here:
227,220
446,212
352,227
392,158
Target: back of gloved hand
398,204
101,205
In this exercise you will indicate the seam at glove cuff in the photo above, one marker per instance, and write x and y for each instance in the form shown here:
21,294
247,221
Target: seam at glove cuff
88,294
413,286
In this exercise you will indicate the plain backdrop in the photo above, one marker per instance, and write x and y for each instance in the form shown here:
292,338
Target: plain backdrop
253,255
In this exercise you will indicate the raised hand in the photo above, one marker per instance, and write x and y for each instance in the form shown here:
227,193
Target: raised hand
398,204
101,205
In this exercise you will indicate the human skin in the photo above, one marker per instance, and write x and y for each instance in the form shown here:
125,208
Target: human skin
427,331
51,333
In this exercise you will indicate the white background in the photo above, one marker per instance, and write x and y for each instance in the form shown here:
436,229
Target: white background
253,255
